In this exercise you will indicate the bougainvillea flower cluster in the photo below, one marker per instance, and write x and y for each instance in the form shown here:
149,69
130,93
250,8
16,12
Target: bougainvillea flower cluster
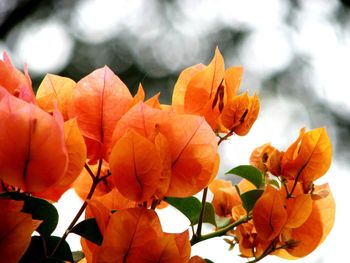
126,157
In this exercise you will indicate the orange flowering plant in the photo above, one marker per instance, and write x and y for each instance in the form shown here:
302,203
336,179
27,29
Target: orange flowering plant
127,157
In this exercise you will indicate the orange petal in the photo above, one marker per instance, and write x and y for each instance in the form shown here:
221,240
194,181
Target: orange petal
154,101
309,157
269,214
99,101
233,77
14,81
128,229
235,111
16,230
55,88
31,146
299,209
203,86
135,235
143,119
139,97
224,200
260,156
136,166
180,88
197,259
219,183
193,153
162,147
76,152
250,118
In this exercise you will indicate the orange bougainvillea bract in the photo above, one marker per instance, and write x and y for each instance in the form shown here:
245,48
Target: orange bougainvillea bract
210,91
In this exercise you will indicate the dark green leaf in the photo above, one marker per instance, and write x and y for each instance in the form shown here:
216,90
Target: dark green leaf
208,260
249,198
189,206
209,214
40,209
51,260
40,250
89,230
250,173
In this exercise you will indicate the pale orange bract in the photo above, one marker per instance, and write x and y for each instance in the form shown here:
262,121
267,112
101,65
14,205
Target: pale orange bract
269,214
33,156
210,91
135,235
136,166
99,101
14,81
76,151
55,89
308,158
16,229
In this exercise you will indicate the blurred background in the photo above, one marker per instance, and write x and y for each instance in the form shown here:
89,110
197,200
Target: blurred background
296,56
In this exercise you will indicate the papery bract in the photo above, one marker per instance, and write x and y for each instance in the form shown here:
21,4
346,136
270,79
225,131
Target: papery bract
240,113
194,158
14,81
76,151
135,235
308,158
99,101
269,214
315,229
55,88
33,156
136,166
225,197
16,229
210,91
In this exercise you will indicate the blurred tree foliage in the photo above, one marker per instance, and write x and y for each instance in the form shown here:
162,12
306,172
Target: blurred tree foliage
115,52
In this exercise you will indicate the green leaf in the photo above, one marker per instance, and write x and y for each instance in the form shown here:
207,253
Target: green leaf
209,214
40,209
222,221
189,206
249,198
250,173
274,183
89,230
208,260
36,251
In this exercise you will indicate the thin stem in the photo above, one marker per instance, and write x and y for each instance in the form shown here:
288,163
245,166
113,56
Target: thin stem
290,194
95,181
201,215
196,239
271,248
204,197
87,168
229,134
154,204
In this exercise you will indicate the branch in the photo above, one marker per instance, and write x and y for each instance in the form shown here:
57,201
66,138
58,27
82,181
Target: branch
96,180
196,239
